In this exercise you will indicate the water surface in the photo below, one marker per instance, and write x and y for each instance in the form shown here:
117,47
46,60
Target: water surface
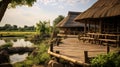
17,42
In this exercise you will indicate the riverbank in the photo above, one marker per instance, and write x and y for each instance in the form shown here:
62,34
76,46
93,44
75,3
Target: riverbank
16,34
38,58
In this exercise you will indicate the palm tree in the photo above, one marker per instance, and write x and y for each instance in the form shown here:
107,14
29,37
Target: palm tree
42,28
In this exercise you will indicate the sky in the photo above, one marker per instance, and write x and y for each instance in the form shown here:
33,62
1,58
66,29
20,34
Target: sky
43,10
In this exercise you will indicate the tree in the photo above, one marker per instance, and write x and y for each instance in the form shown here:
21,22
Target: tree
7,27
13,3
57,20
15,27
42,27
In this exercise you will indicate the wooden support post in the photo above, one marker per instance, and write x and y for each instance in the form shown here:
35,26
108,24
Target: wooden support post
85,28
108,48
56,57
95,27
118,42
89,27
58,41
51,47
100,27
86,56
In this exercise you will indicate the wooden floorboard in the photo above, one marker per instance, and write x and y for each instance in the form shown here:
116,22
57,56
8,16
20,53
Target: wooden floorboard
73,48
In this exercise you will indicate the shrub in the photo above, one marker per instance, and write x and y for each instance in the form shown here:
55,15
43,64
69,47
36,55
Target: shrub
109,60
40,58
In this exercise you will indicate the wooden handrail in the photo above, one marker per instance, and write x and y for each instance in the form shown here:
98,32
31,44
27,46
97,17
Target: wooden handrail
68,59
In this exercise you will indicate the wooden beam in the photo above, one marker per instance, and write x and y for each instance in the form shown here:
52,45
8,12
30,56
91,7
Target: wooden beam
85,27
51,47
108,48
86,56
100,26
68,58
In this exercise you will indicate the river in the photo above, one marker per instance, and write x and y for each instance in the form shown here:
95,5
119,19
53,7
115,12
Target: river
17,42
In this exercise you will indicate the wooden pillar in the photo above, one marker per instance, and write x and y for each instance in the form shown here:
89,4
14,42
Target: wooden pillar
95,28
108,48
85,27
51,47
100,26
86,56
58,59
117,27
89,26
118,41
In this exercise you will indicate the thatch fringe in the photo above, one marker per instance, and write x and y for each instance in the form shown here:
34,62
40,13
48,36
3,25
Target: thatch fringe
101,9
69,21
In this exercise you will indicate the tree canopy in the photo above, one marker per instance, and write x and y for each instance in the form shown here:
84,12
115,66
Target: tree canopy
43,27
13,3
57,20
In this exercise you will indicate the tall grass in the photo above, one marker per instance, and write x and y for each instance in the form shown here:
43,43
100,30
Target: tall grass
16,34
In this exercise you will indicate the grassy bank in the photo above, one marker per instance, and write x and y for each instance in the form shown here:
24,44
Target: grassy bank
16,34
37,57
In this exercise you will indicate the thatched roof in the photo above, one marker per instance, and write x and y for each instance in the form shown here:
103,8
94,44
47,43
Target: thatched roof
69,20
101,9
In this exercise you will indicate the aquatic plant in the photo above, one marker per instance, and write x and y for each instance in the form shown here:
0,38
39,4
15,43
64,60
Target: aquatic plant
6,45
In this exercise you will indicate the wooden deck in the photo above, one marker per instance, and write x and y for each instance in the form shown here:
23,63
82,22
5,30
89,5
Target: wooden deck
74,49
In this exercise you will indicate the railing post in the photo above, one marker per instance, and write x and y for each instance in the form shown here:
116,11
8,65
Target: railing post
108,48
86,56
57,52
51,47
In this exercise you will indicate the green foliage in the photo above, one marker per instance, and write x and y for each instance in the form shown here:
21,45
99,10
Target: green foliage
6,45
58,19
14,3
109,60
40,57
9,27
43,27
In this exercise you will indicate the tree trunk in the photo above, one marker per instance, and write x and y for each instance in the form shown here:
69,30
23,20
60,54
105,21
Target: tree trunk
3,7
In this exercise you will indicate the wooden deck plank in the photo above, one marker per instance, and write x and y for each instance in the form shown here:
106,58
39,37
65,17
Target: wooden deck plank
73,48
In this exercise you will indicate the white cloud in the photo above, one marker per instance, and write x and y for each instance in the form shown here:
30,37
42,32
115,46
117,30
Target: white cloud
25,16
63,1
84,1
46,1
60,7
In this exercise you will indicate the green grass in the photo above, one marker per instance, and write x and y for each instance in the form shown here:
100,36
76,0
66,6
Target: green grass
6,45
16,34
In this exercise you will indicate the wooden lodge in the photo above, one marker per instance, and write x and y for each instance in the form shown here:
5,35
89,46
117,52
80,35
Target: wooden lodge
69,26
103,21
101,26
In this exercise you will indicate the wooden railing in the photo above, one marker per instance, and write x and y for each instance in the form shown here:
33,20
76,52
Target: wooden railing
107,38
59,56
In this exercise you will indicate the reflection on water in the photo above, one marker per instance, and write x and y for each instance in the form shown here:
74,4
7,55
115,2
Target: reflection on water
18,58
17,42
2,42
22,42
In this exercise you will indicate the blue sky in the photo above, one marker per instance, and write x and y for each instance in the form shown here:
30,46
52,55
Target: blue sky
43,10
